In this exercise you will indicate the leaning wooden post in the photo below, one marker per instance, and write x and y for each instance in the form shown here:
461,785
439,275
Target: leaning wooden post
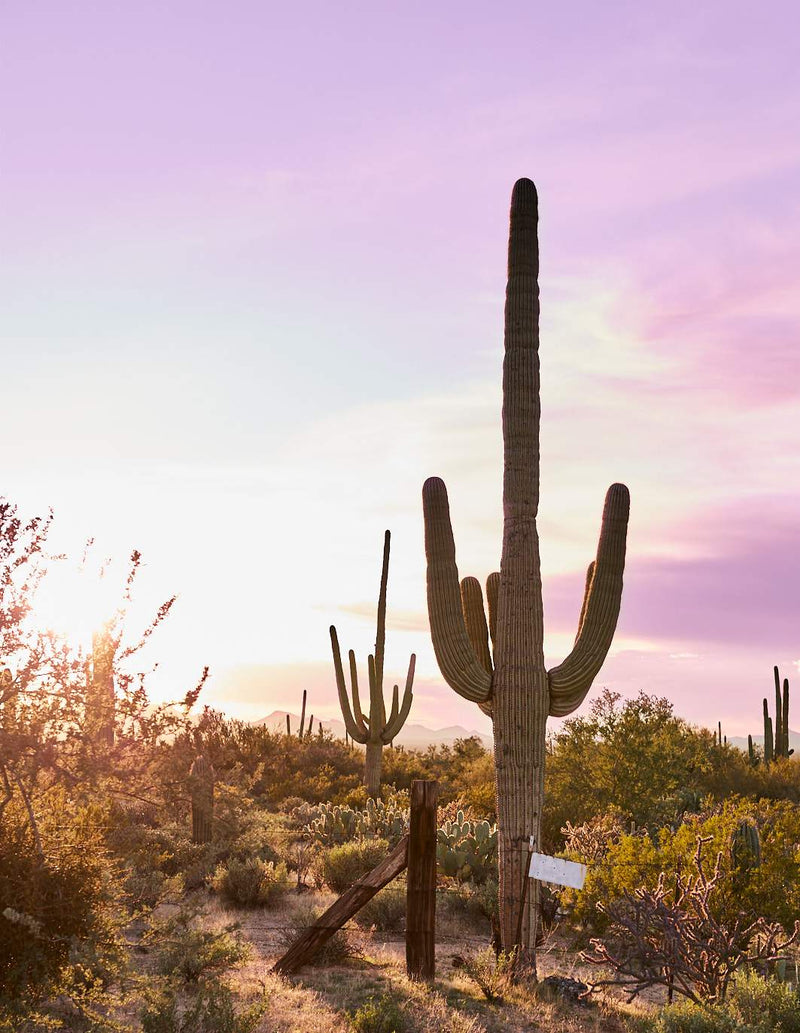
421,891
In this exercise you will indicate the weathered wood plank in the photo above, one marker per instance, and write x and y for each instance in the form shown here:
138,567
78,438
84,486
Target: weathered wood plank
421,890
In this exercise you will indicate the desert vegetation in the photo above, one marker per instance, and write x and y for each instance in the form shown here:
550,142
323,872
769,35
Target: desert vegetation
157,860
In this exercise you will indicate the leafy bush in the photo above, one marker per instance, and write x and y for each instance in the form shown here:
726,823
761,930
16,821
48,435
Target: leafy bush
492,974
753,1005
379,1015
57,907
250,883
344,865
187,951
211,1010
386,911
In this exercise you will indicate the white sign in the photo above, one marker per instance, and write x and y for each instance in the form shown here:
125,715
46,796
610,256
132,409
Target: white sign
556,869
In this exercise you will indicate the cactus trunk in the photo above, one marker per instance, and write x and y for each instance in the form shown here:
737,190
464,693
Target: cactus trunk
372,768
101,705
201,786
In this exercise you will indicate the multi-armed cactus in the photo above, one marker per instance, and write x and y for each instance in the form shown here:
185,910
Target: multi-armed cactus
201,788
745,847
374,731
302,732
510,681
776,737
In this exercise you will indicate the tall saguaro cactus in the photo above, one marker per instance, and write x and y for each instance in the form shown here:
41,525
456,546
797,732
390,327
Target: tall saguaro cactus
509,681
201,787
777,744
374,731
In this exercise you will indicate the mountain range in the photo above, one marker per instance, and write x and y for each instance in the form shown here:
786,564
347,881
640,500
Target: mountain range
413,736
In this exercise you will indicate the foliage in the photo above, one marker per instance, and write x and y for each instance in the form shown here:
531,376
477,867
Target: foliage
185,949
770,890
492,973
250,883
59,922
210,1010
386,911
344,865
753,1005
336,949
379,1015
670,936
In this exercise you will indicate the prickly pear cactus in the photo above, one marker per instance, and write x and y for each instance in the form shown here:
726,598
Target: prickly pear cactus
467,850
336,824
201,786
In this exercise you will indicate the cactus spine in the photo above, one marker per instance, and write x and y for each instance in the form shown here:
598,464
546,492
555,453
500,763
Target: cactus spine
374,731
512,684
201,785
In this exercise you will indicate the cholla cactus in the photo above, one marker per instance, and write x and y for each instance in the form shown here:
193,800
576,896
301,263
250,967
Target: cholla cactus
510,681
201,785
467,850
374,731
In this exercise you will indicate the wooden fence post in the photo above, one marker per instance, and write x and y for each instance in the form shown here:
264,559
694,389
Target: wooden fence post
421,891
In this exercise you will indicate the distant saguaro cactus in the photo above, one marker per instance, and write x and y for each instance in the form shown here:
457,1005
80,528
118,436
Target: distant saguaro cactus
776,737
201,786
374,731
512,684
101,696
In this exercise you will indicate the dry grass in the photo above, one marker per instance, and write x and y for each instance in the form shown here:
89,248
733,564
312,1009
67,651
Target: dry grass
323,999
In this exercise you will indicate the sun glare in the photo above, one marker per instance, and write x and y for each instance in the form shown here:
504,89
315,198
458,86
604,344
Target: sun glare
76,603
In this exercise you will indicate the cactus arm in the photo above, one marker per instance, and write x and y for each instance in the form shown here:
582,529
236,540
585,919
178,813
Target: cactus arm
475,621
398,719
455,656
572,679
492,591
768,739
788,752
778,715
395,705
356,732
357,712
586,593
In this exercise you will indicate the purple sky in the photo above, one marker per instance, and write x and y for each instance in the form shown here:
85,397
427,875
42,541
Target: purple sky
252,283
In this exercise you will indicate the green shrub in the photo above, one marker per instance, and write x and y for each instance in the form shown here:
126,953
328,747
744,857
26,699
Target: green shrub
211,1010
187,951
753,1005
58,909
250,883
344,865
386,912
379,1015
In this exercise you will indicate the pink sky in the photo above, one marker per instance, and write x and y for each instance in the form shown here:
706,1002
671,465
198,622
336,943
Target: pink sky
252,284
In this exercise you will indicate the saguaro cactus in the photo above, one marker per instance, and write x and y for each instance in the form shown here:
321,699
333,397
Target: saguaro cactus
776,737
511,682
374,731
201,786
101,697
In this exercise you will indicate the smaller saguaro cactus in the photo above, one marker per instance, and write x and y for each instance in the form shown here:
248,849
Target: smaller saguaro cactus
776,738
745,847
374,731
201,784
752,756
100,692
302,732
8,701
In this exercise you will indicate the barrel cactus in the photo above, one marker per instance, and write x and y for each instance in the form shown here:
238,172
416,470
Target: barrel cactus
374,731
201,785
500,664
